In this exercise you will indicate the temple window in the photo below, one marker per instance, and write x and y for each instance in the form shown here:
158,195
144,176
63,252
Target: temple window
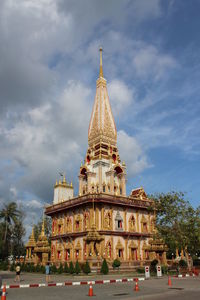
147,254
108,188
92,188
145,227
104,188
67,254
120,253
59,229
77,254
120,191
119,224
58,255
97,188
118,221
114,158
77,224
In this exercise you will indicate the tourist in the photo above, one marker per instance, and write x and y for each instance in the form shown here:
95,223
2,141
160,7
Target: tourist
47,272
18,270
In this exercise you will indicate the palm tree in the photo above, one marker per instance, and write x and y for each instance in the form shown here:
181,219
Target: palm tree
9,214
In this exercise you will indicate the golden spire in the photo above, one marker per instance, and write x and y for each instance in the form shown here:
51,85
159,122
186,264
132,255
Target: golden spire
42,231
101,63
64,179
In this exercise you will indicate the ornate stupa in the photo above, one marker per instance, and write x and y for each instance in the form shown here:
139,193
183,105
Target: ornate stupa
102,221
42,248
30,248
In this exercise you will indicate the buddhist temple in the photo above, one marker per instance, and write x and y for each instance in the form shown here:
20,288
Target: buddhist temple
38,252
30,248
102,221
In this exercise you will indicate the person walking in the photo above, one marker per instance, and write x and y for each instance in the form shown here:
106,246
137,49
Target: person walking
47,272
18,270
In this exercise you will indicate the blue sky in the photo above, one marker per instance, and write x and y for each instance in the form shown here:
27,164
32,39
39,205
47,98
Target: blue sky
49,63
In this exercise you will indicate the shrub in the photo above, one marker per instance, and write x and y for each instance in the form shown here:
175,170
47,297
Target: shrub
77,267
32,267
104,267
43,269
140,270
12,267
66,268
28,268
5,265
60,269
38,268
71,268
86,268
164,269
23,267
53,269
116,263
196,262
182,263
153,265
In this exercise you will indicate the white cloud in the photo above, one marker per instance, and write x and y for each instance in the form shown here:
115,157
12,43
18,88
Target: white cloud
131,152
120,96
35,204
49,139
148,62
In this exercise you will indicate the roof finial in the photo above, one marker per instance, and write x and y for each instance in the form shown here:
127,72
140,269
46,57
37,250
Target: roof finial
101,64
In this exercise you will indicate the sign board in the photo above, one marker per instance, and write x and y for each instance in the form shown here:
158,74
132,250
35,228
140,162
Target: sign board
159,271
147,272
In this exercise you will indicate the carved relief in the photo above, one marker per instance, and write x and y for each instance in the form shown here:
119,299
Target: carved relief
144,224
131,223
109,249
108,220
69,224
86,220
78,223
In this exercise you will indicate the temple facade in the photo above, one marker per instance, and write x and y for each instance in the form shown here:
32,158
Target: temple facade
103,221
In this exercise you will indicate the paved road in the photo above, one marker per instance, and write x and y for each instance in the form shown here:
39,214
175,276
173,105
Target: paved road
182,289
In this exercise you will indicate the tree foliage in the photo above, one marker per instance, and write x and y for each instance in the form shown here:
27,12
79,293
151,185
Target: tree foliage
77,268
178,222
86,268
104,267
11,230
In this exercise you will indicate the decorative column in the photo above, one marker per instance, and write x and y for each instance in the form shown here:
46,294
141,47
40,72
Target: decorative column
126,256
100,177
123,184
125,221
89,184
112,181
102,218
137,221
81,184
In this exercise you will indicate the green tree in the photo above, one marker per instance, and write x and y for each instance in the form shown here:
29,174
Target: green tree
86,268
11,230
104,267
77,268
177,222
66,268
71,268
18,232
9,214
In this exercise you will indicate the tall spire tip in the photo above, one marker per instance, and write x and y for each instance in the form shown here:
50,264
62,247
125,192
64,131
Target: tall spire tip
101,62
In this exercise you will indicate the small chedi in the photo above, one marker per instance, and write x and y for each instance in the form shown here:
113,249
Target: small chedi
38,252
103,221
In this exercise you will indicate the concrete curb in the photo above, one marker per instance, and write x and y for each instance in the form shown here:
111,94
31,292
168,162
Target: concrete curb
66,283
